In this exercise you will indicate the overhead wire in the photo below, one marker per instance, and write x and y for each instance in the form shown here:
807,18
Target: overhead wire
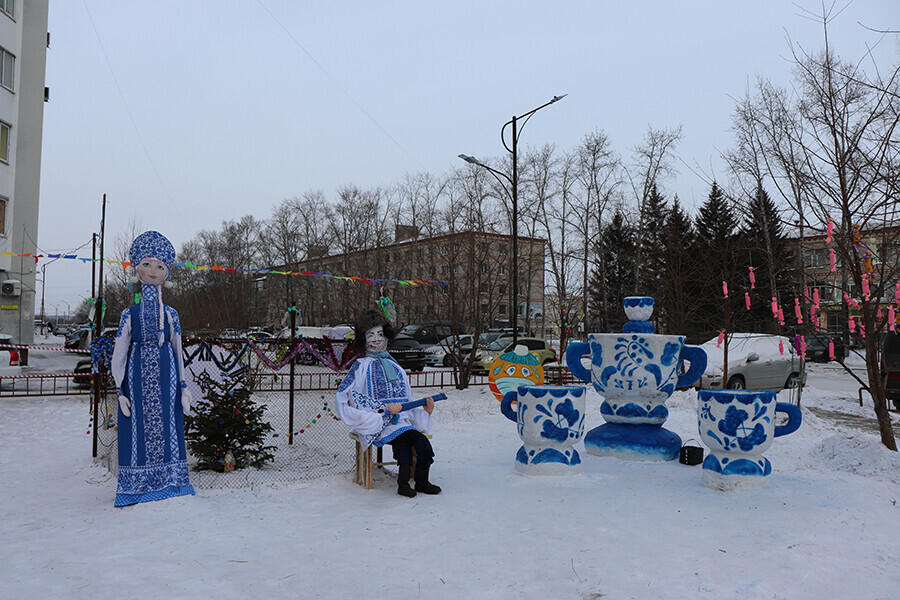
130,115
338,85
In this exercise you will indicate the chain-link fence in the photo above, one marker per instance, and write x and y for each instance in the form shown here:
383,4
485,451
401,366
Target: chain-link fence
309,439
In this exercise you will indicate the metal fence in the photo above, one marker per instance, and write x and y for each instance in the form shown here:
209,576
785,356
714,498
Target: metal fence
309,439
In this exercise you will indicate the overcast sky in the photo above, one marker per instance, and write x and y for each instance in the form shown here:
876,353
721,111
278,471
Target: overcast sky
188,113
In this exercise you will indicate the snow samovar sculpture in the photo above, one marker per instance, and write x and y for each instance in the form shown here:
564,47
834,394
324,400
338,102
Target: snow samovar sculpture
635,371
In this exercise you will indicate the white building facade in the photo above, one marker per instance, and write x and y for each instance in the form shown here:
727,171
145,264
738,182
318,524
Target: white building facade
23,59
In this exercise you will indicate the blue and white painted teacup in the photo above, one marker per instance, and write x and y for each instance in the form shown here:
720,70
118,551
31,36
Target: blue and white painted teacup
635,373
738,426
550,421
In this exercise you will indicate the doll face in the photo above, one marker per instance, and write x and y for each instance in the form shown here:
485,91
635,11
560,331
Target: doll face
376,340
152,271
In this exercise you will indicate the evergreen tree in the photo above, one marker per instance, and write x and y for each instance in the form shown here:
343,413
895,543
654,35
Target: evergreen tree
227,420
618,248
676,300
766,248
651,271
717,245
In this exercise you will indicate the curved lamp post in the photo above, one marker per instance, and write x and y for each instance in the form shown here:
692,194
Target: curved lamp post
514,184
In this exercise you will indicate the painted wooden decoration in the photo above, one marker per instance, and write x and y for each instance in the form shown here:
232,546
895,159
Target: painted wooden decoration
512,369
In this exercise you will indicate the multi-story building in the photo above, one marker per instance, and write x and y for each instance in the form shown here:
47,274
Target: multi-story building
475,266
882,245
23,58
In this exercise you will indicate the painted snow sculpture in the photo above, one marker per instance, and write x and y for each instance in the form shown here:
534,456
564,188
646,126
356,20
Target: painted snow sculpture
512,369
550,421
635,371
148,368
738,426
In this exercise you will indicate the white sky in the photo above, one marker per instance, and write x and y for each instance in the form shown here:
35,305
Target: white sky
216,109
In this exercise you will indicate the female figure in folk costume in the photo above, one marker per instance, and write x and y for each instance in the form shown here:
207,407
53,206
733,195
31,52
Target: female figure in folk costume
369,401
149,372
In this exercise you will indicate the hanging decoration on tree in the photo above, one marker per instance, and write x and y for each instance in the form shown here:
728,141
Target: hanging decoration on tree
865,286
725,288
897,294
721,339
803,346
829,230
227,420
830,349
850,301
797,311
781,347
774,307
816,297
747,299
832,260
851,324
892,318
752,279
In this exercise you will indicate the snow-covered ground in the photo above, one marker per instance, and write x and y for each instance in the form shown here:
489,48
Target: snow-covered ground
827,526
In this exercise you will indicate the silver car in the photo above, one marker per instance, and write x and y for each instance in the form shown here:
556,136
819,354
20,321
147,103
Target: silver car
439,355
755,362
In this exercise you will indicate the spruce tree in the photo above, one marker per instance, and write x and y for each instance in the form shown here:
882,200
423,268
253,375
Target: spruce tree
676,300
651,271
618,248
766,249
227,420
717,246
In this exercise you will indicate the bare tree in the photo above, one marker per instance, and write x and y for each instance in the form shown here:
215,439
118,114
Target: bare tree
834,143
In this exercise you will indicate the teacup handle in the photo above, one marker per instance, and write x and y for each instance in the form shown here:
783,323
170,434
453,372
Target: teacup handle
694,355
506,405
573,360
795,417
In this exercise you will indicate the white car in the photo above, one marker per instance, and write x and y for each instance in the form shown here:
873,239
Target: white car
439,355
756,361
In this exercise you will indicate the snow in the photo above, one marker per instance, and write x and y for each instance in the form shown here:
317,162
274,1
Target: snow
826,526
742,344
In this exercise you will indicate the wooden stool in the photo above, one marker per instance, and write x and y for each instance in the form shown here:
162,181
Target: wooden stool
364,463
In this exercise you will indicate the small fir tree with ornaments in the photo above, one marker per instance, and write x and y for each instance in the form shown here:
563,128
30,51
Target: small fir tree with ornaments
227,430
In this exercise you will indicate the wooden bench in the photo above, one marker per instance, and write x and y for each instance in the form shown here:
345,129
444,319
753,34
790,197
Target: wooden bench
364,463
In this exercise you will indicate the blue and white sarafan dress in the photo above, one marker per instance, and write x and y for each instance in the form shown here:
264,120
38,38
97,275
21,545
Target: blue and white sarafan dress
152,456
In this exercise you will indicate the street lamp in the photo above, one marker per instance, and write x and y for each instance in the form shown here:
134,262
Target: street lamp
514,183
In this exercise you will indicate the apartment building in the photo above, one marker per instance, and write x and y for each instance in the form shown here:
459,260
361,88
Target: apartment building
23,58
475,267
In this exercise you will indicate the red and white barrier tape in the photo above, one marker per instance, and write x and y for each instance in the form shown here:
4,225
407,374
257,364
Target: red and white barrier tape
52,348
42,375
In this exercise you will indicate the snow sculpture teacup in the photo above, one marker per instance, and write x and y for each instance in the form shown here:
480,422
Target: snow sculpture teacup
738,426
550,421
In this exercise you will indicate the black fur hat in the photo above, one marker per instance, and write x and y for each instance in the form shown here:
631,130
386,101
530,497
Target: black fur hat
368,319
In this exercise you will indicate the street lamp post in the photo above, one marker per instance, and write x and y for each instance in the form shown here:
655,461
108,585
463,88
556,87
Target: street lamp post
514,184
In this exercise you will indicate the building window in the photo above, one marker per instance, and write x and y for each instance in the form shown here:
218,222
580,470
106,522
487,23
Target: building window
8,6
7,68
3,215
4,141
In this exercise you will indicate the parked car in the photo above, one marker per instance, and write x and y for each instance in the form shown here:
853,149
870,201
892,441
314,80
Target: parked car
408,352
817,347
538,347
889,360
9,358
427,334
755,362
79,339
441,354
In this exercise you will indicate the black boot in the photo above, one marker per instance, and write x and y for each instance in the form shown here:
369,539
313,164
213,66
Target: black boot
422,483
403,482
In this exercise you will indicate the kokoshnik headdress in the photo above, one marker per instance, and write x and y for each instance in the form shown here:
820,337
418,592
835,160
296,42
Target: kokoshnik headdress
152,244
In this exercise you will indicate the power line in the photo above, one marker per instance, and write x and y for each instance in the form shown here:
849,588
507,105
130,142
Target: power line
128,110
339,86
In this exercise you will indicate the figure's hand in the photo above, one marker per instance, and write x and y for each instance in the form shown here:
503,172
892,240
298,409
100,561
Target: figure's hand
186,400
395,408
429,405
125,405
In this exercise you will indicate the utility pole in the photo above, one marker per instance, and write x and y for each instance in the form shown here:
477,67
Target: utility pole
97,328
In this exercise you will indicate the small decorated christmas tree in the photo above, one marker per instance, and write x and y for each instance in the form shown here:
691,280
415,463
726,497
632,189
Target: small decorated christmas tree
226,421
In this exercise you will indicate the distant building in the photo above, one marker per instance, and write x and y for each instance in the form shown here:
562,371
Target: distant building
23,59
883,245
476,267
